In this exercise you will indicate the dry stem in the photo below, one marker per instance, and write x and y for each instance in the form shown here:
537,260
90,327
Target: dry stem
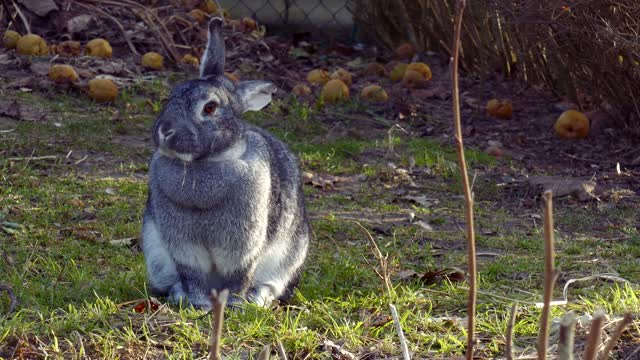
115,21
468,197
22,17
403,340
565,342
543,336
219,301
593,340
509,336
281,351
626,320
383,262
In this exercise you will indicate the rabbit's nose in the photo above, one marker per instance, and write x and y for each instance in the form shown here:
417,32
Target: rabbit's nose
166,132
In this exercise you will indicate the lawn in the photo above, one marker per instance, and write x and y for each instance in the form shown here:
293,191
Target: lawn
73,186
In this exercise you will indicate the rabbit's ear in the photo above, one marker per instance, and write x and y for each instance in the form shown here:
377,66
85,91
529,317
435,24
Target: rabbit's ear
212,62
254,95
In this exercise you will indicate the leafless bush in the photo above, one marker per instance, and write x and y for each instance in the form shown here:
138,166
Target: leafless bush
587,51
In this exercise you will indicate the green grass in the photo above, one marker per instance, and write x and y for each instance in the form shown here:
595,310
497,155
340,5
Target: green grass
77,290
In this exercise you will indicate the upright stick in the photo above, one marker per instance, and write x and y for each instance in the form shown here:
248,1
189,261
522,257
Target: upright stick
219,301
549,275
468,197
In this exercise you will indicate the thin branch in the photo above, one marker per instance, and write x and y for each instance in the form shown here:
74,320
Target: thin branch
468,197
264,353
406,22
509,335
13,302
567,332
403,340
33,158
22,17
626,320
219,301
281,351
115,21
383,262
593,339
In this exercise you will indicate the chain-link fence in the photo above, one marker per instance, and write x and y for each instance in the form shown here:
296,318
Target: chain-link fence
331,17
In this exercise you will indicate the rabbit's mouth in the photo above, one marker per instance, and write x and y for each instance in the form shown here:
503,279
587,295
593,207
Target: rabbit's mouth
175,155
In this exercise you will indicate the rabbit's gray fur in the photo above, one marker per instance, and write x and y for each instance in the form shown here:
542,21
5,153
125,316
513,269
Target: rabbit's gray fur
225,206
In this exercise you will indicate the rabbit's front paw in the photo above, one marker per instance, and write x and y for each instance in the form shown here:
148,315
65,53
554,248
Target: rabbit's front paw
261,295
177,295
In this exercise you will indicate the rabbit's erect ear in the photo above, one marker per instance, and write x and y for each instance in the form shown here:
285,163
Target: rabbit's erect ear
254,95
212,62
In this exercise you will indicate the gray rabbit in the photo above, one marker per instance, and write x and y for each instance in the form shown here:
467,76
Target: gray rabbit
225,206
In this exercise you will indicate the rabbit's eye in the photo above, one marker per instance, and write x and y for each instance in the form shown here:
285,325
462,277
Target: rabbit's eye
210,107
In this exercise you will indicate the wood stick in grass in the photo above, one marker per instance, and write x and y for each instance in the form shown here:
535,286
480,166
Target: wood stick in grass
549,275
403,340
509,335
468,197
219,301
593,339
567,332
626,320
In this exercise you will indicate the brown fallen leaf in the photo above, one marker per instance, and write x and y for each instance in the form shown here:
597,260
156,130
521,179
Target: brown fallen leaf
11,110
325,181
422,200
583,190
40,68
67,48
152,303
82,233
437,276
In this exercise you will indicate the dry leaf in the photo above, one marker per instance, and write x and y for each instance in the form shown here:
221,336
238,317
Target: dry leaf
422,200
40,7
128,242
407,275
40,68
151,303
581,189
437,276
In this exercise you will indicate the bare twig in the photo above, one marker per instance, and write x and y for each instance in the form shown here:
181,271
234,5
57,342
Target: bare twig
27,27
281,351
565,342
383,262
403,340
13,302
626,320
115,21
549,275
593,339
219,301
33,158
509,335
406,24
468,197
264,353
